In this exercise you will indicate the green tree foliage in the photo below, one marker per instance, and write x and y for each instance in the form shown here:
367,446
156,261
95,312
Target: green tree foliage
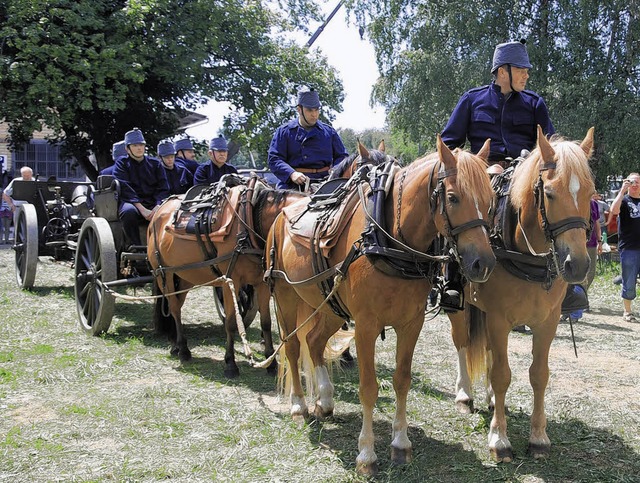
586,57
93,69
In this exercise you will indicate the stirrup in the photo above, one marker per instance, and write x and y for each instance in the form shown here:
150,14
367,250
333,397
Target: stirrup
451,300
575,299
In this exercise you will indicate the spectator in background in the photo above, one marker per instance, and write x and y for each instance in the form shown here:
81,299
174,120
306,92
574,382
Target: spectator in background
180,178
304,149
143,185
603,209
186,155
216,167
627,205
594,243
26,174
5,220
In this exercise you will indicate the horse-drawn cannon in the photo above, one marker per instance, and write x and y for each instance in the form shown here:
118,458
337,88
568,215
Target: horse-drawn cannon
48,220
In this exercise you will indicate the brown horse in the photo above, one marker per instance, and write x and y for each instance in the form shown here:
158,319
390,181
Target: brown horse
173,254
445,192
549,199
348,166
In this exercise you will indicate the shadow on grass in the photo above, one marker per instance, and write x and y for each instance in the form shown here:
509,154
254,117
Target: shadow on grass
45,291
578,453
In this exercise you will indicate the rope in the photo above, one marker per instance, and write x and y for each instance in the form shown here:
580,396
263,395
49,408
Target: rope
337,280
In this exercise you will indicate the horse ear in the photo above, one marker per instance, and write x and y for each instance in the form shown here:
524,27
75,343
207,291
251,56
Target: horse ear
445,154
485,150
362,151
381,146
587,143
545,148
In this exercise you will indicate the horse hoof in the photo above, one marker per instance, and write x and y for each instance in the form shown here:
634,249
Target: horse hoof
231,373
370,470
465,407
184,355
174,351
401,456
538,451
502,455
321,414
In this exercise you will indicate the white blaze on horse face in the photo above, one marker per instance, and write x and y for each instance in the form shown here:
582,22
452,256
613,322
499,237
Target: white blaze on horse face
574,187
480,217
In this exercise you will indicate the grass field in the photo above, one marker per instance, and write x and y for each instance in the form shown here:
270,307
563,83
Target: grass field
119,408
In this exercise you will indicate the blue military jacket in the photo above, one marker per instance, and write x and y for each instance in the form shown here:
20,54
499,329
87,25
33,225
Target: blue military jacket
192,166
180,179
208,172
141,182
509,121
292,147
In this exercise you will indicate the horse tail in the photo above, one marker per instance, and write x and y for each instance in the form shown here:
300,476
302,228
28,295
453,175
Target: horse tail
338,343
478,357
163,321
305,367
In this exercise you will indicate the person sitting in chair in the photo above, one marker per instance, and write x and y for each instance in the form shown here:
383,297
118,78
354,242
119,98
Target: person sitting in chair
143,185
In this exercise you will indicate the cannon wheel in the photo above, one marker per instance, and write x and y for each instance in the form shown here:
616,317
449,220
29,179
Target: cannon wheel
95,263
26,245
247,303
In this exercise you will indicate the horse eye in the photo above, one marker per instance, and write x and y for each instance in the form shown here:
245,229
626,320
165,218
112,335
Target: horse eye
452,198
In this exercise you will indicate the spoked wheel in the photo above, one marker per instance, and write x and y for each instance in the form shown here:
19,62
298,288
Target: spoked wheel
95,264
247,303
26,245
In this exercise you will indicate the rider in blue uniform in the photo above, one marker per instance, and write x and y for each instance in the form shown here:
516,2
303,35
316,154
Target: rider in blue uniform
143,185
216,167
180,178
304,148
186,155
504,112
118,150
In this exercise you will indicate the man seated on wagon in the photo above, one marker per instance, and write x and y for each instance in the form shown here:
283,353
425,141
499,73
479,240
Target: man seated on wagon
26,174
118,150
304,149
180,178
216,167
504,112
143,185
186,155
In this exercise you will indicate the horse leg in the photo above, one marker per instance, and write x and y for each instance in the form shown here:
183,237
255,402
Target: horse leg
163,322
263,296
325,326
367,460
287,305
231,370
500,373
460,336
180,347
407,336
539,442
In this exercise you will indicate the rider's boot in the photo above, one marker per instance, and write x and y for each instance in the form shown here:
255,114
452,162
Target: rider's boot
575,299
451,298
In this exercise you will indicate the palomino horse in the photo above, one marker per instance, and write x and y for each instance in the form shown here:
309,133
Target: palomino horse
171,256
549,208
445,192
173,253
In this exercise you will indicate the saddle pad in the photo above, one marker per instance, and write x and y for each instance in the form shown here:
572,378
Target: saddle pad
219,218
301,222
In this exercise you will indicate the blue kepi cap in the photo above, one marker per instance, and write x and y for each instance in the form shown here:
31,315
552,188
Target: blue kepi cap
166,148
134,137
513,53
309,99
218,144
118,150
183,144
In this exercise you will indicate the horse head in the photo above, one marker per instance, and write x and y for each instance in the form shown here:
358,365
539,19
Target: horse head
362,156
460,203
552,191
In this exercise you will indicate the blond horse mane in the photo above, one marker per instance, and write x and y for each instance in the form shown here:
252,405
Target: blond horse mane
571,161
472,177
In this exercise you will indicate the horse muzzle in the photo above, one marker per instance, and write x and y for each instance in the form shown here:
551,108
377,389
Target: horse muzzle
477,266
573,266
